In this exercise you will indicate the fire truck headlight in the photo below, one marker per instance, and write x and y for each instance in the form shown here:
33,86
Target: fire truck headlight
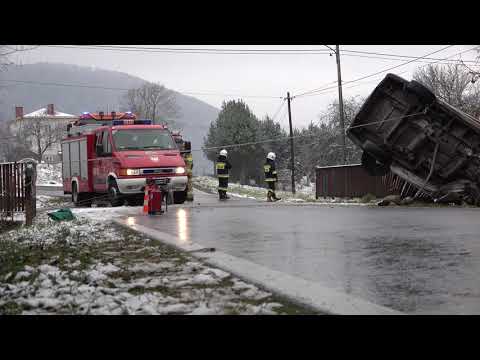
133,171
129,172
180,170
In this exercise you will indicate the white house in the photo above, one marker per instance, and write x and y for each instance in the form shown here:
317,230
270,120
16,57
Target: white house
50,120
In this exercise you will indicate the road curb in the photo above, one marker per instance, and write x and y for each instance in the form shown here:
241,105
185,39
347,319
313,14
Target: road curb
295,289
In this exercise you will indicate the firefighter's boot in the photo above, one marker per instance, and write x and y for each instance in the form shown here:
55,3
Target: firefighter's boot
275,197
269,196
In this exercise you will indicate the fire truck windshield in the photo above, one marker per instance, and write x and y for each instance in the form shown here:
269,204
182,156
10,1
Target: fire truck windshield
142,139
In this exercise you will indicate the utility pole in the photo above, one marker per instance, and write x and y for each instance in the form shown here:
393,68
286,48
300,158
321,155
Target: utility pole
340,103
291,144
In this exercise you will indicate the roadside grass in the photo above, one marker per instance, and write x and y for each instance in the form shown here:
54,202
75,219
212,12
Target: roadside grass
209,185
6,225
128,251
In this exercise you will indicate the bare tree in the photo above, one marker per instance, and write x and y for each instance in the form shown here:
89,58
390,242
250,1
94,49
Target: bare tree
453,84
12,146
152,101
7,50
38,135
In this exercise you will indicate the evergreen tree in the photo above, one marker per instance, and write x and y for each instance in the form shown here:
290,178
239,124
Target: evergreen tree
235,124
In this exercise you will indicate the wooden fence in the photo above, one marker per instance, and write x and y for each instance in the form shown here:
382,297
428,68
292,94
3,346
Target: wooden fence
17,190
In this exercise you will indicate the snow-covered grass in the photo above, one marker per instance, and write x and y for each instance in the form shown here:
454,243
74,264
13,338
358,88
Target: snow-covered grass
305,193
91,266
49,174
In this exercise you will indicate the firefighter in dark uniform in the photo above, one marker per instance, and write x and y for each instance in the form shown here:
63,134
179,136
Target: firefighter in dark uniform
187,156
223,166
271,176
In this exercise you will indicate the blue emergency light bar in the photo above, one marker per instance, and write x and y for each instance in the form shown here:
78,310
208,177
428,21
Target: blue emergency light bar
131,122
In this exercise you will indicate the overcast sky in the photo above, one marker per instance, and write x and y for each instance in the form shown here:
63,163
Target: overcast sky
253,74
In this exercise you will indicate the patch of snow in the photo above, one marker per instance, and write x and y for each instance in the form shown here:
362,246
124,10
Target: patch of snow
203,309
49,175
173,308
203,279
107,269
42,113
22,275
218,273
95,276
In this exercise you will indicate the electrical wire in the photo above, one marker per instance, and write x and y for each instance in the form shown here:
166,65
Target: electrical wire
322,90
278,110
193,51
285,138
125,89
132,48
376,73
390,55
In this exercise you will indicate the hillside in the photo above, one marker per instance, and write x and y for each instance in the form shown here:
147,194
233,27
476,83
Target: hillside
194,119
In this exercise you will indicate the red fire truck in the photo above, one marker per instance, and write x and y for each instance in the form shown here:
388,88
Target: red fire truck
112,155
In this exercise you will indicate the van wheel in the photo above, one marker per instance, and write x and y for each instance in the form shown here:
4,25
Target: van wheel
425,95
375,151
179,197
372,166
113,194
80,199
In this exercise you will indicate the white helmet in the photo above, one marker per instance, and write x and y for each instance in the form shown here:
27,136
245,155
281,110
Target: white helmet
271,156
223,152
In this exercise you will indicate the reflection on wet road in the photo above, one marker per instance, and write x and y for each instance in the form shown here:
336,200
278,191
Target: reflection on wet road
414,260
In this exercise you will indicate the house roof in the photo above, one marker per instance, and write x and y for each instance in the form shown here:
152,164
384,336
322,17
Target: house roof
43,113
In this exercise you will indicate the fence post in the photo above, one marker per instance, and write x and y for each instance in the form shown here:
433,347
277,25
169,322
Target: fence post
29,210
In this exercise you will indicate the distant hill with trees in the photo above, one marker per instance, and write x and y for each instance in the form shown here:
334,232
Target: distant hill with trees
194,116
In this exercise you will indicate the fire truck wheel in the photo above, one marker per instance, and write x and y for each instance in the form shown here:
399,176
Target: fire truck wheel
114,194
135,200
179,197
80,199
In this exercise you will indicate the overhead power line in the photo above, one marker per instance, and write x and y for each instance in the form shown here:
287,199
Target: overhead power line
322,89
390,55
279,109
232,51
191,51
126,89
378,72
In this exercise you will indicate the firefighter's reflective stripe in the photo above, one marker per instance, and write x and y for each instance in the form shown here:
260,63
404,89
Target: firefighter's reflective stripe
266,168
225,176
274,172
220,166
270,179
222,188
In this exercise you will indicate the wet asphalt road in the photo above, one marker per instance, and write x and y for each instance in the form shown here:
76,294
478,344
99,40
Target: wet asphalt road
416,260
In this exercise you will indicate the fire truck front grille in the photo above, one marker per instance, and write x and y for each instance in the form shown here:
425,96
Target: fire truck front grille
158,171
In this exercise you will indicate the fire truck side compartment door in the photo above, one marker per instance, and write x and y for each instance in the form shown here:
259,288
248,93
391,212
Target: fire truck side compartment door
66,160
75,158
83,159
